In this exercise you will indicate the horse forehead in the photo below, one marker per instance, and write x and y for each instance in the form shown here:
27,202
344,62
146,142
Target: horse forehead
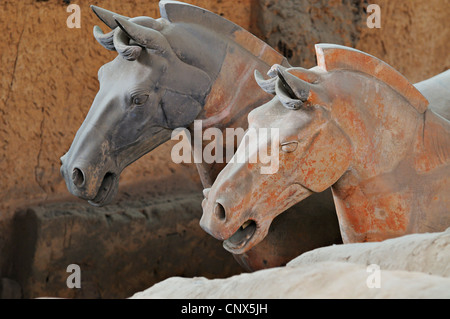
275,115
267,113
130,70
342,83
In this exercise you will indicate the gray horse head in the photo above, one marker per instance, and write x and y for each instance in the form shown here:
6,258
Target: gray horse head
153,86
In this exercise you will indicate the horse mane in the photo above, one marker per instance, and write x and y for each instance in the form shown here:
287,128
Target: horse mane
336,57
178,12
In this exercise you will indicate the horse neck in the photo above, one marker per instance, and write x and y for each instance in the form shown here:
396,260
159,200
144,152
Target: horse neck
380,123
235,92
398,153
233,95
408,197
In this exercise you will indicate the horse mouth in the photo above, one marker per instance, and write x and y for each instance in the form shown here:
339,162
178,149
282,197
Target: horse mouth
241,238
106,191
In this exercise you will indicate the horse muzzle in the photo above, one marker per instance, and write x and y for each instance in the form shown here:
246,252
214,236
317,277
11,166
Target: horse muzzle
89,182
239,233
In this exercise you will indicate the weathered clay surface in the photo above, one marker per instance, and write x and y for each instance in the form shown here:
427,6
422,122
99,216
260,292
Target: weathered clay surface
48,81
326,273
215,85
62,64
353,123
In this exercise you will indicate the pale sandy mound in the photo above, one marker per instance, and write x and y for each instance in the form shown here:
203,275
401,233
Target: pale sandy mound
428,253
340,271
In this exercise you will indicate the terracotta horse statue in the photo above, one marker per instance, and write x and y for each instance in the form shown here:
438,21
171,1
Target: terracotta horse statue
188,65
352,123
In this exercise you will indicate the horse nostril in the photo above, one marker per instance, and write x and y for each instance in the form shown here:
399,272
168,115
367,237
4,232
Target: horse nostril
78,177
219,211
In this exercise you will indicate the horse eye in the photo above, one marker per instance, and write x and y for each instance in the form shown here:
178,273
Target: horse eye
289,147
140,100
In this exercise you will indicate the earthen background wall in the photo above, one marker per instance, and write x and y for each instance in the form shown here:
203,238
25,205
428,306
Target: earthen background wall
48,80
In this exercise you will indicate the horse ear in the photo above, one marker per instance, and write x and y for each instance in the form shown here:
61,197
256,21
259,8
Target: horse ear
129,52
144,36
299,88
107,16
106,40
290,90
268,86
287,97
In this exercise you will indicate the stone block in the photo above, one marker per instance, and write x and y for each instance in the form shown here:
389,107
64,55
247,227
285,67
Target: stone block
120,249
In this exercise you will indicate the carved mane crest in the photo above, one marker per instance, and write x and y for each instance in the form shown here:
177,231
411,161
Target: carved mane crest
336,57
175,11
